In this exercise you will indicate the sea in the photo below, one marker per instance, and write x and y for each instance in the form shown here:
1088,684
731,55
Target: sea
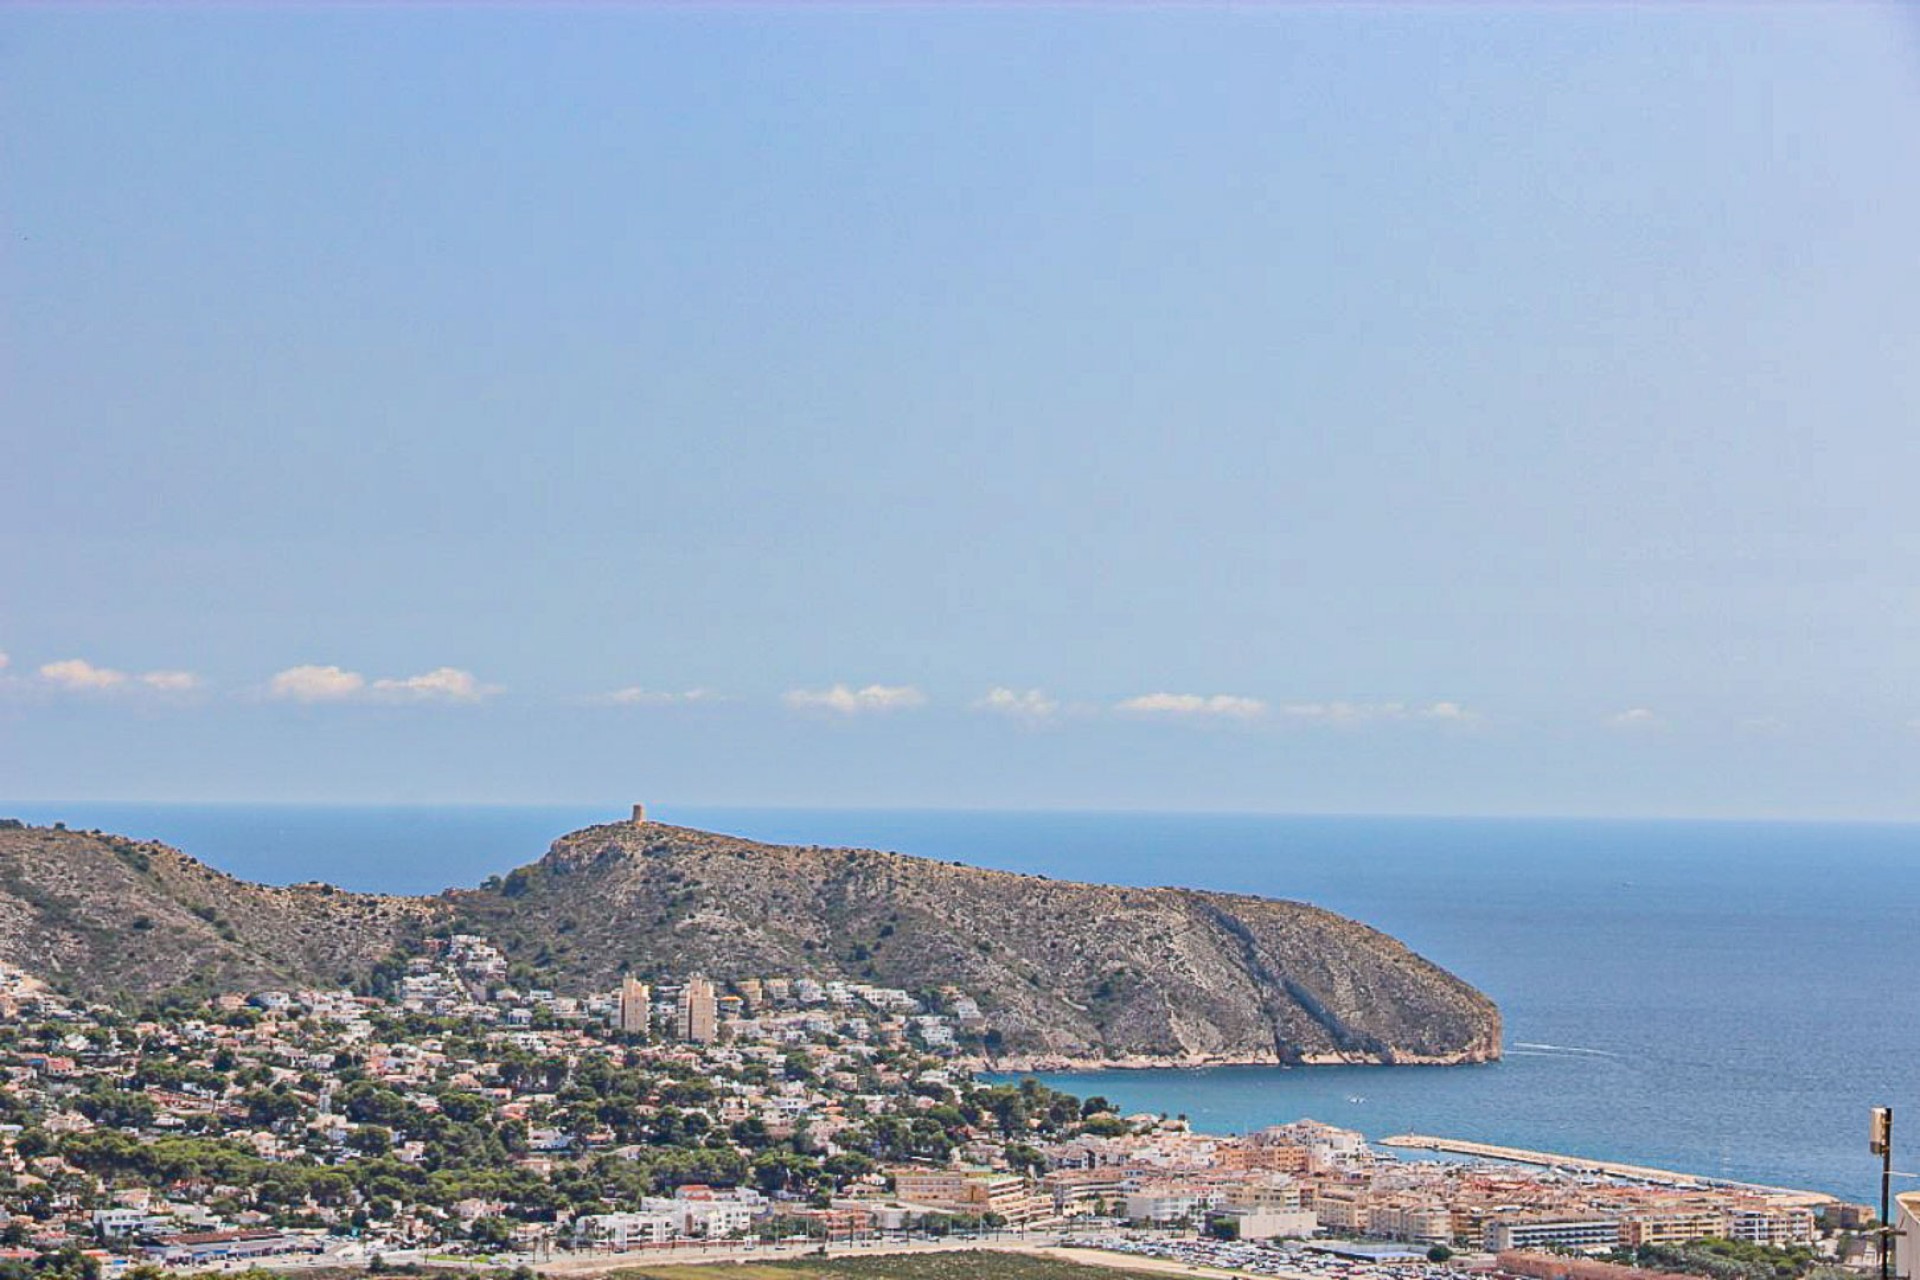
1720,998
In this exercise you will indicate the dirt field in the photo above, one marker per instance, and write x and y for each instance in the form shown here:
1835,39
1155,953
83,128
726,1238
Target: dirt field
971,1264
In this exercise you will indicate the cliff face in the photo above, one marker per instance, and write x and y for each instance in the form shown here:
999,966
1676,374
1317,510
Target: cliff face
1061,970
105,918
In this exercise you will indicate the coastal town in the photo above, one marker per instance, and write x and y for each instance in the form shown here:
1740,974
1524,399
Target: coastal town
450,1110
959,640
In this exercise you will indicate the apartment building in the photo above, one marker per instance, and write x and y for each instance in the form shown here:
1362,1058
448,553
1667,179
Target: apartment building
624,1230
1422,1222
1341,1209
971,1191
635,1014
1778,1225
697,1013
1540,1233
1672,1226
1084,1191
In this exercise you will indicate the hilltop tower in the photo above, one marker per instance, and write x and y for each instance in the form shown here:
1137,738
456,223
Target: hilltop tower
639,815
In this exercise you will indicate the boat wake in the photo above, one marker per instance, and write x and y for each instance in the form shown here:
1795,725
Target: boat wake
1534,1049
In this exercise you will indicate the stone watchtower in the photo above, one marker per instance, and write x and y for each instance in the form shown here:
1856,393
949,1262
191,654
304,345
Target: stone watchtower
639,815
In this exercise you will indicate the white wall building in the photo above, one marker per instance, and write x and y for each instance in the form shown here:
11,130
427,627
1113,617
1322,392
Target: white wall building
1906,1235
624,1230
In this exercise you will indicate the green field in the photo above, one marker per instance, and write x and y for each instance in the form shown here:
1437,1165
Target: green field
970,1264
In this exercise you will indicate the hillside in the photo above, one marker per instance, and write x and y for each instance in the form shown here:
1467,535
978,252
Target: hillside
1061,970
108,918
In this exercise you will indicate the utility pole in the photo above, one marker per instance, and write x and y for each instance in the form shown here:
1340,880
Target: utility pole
1881,1144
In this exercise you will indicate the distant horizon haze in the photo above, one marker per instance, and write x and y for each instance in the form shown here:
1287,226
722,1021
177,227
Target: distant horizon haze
694,813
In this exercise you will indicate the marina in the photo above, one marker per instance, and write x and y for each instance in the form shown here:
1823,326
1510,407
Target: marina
1611,1168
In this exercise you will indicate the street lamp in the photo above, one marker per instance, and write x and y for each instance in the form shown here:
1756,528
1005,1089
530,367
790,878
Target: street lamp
1880,1143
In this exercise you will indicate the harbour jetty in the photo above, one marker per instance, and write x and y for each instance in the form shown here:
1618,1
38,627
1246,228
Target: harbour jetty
1611,1168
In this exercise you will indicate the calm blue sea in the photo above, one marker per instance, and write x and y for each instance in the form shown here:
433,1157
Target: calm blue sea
1725,998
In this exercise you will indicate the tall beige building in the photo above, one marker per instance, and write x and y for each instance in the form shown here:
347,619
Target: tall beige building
636,1006
698,1018
1906,1235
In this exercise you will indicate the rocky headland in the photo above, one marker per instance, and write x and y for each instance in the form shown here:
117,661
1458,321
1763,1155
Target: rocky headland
1065,974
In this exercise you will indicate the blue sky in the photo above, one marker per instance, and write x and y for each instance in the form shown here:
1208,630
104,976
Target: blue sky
1463,409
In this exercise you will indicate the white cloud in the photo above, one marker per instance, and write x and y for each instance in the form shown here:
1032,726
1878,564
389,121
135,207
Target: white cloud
79,675
1219,705
848,702
4,660
1357,713
1226,706
316,684
635,696
1632,718
442,684
1030,705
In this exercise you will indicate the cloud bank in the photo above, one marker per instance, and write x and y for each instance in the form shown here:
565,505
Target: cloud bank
1357,713
1228,706
636,696
313,683
442,684
316,684
1030,705
842,700
1188,706
77,675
